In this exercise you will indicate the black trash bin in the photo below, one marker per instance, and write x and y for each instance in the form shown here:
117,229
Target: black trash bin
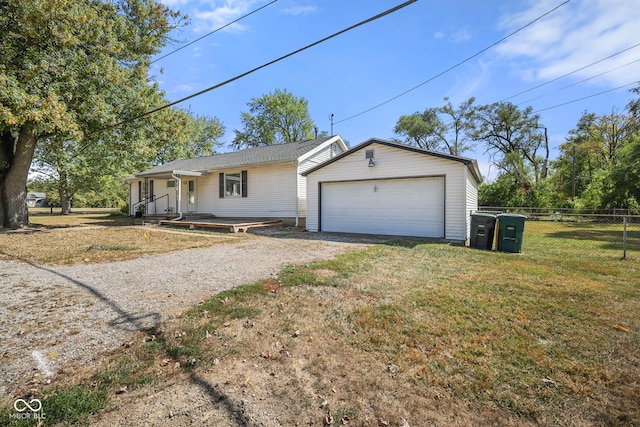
510,232
483,227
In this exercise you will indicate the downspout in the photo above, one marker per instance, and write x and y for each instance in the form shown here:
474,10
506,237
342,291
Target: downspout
295,163
179,198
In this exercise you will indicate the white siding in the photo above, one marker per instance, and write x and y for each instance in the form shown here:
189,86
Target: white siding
472,200
271,193
166,197
321,156
391,162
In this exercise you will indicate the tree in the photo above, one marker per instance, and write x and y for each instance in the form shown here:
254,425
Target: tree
461,122
275,118
421,129
508,131
67,69
428,130
74,167
592,147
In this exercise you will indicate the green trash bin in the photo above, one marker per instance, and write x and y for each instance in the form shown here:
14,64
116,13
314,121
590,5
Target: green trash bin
483,227
510,232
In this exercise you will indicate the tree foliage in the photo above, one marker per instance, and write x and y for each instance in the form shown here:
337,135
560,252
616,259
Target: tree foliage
508,131
67,69
76,168
430,131
274,118
592,157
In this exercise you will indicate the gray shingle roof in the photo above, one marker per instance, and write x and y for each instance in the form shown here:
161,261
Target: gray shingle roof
246,157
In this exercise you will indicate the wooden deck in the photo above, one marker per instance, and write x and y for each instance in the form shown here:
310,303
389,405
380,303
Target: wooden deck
230,225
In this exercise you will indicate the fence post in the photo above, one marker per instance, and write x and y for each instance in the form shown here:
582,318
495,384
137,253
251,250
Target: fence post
624,238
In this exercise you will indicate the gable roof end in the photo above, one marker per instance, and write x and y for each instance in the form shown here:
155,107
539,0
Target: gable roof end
470,163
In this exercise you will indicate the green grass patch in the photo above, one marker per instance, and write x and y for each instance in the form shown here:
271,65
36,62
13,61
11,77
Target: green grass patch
74,406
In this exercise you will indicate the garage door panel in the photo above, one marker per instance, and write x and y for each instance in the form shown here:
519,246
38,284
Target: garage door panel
411,207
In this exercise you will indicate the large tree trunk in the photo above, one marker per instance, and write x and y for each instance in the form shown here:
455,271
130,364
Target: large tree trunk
65,201
14,170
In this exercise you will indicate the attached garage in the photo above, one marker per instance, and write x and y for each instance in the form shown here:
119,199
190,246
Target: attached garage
382,187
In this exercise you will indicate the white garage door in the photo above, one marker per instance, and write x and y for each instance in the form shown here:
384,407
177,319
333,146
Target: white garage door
399,207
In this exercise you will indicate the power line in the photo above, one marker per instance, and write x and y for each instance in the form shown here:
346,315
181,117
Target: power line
580,82
454,66
239,76
585,97
214,31
572,72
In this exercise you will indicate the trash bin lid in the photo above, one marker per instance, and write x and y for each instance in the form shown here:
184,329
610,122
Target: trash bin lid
483,215
510,215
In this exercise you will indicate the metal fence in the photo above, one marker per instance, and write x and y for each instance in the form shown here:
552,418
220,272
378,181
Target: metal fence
612,233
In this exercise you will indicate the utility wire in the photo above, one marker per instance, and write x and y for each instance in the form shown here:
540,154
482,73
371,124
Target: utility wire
584,97
454,66
581,81
214,31
572,72
239,76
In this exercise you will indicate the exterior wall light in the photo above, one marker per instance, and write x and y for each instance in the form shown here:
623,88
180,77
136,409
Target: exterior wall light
371,163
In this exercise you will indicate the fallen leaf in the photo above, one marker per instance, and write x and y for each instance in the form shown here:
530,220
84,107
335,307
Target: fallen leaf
620,328
328,419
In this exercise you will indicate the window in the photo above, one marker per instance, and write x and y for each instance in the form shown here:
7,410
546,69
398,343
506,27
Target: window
368,154
171,183
233,184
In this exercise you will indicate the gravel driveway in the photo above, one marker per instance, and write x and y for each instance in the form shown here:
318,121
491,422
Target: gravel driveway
61,316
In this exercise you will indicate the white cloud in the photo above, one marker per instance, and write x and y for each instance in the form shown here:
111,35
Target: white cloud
209,15
438,35
183,88
461,36
575,35
300,10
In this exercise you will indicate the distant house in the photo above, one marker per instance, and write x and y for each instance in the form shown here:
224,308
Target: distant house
36,200
382,187
261,182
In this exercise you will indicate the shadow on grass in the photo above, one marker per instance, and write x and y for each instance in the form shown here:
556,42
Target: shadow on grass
366,239
218,397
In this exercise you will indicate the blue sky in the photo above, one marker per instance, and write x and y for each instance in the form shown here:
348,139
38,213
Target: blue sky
380,60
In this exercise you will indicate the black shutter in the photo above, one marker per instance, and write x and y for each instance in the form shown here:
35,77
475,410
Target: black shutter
244,184
221,185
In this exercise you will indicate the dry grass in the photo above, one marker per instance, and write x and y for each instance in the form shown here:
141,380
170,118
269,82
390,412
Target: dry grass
429,331
93,237
434,334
